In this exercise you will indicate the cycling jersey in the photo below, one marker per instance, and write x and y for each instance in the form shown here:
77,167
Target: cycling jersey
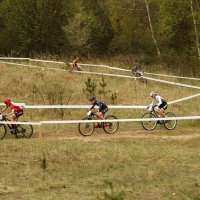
159,101
102,106
15,107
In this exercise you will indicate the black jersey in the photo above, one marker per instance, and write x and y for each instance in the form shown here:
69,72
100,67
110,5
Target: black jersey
100,104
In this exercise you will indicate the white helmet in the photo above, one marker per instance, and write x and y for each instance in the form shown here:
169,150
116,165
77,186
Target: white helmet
152,93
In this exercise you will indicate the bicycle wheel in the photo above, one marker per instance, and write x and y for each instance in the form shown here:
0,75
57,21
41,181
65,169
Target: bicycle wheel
149,125
110,127
25,131
170,124
3,131
86,129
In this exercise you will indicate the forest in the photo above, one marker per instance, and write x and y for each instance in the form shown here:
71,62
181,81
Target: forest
153,31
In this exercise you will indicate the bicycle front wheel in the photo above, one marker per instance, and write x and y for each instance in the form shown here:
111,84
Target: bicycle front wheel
3,131
86,129
110,127
149,125
170,124
25,131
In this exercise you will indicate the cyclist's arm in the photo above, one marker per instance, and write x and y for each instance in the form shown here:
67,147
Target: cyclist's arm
11,113
5,108
92,107
152,104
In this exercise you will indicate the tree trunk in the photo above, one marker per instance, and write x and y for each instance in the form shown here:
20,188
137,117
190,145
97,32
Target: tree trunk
195,29
152,31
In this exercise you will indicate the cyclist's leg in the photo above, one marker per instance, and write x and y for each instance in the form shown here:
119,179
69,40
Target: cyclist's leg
15,117
103,111
162,108
11,118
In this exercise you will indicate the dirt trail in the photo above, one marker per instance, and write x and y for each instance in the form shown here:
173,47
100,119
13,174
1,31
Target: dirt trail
100,137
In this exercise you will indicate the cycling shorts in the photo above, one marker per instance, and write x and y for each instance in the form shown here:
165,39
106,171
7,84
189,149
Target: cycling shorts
18,113
163,105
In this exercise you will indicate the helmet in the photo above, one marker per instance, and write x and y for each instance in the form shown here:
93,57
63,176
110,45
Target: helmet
152,93
92,98
7,101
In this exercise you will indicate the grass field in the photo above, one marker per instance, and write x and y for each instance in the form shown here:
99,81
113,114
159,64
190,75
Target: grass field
133,164
141,168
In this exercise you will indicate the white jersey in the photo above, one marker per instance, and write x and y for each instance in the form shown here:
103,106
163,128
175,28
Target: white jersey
157,100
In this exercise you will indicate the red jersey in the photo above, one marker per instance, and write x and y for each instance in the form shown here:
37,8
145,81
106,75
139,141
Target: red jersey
15,107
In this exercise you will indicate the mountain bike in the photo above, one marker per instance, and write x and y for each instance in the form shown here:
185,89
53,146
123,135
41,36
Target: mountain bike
87,128
151,125
139,76
18,130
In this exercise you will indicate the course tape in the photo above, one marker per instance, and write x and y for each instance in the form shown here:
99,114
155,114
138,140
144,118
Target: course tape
120,120
24,123
95,65
21,65
148,78
11,58
183,99
181,77
107,120
105,66
21,104
113,75
80,106
46,61
172,83
121,69
106,74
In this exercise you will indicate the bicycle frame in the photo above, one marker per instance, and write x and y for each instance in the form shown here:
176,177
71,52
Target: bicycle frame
154,112
16,129
168,124
8,125
87,129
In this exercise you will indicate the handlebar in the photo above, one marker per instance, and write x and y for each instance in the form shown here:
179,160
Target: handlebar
90,113
151,108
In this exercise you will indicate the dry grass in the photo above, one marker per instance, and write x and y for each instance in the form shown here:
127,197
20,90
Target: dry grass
152,167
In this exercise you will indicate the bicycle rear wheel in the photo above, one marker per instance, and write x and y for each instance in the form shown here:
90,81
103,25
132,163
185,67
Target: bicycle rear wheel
86,129
3,131
149,125
110,127
170,124
25,131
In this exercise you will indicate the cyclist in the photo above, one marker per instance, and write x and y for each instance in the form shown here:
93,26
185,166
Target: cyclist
16,111
160,104
135,70
102,109
75,64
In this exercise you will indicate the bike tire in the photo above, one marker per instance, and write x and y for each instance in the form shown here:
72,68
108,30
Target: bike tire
86,129
3,131
149,125
24,131
170,124
109,128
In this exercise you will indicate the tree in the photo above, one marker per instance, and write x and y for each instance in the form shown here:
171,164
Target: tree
90,87
99,25
103,86
152,30
33,26
174,26
195,28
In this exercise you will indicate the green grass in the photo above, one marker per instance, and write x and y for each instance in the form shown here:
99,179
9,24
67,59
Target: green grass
144,165
141,168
